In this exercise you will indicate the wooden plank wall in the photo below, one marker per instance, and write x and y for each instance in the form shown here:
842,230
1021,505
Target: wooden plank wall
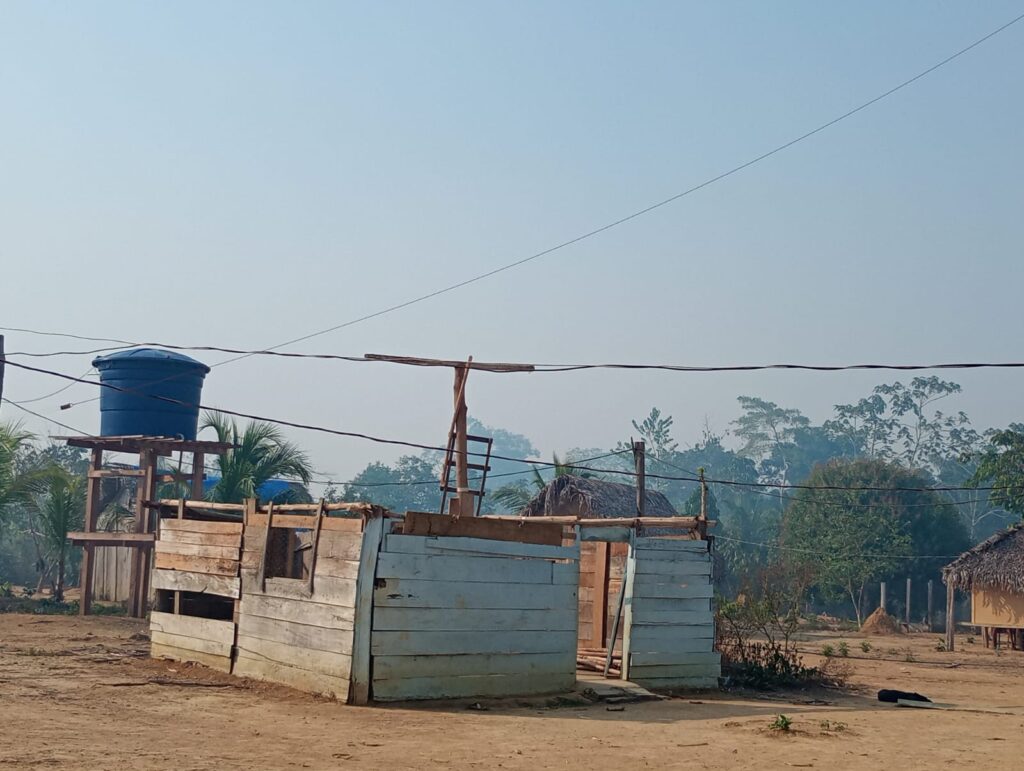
296,632
197,557
111,573
464,617
671,626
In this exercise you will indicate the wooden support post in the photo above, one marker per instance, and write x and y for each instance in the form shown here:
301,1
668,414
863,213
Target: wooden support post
600,603
908,602
881,598
92,505
639,461
361,676
702,519
198,471
320,514
464,496
3,361
930,619
146,492
950,616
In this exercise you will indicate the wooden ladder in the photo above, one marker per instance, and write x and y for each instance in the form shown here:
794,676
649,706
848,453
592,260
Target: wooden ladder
449,464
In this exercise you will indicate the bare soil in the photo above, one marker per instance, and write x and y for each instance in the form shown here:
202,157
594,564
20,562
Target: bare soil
82,694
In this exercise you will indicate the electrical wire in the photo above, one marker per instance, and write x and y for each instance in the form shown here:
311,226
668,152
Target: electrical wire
547,464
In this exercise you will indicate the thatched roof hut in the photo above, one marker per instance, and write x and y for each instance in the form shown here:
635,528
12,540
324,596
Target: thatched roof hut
996,563
574,496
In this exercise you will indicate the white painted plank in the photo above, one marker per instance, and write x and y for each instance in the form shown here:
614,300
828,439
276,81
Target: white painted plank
324,662
211,647
193,626
706,657
462,619
670,571
673,617
418,544
301,679
373,539
472,686
443,643
300,635
300,611
413,593
184,581
689,590
475,569
398,667
671,544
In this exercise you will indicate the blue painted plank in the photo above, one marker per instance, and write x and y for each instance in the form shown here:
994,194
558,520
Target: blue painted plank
677,657
673,617
463,687
414,593
671,544
399,667
418,544
438,643
672,570
461,619
479,569
373,536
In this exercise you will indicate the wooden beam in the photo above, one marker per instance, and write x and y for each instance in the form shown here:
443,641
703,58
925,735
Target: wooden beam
465,497
198,473
682,523
360,677
600,605
640,463
510,529
950,616
112,539
480,365
92,504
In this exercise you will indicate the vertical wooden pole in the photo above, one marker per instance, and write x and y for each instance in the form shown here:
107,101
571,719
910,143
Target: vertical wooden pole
930,620
145,492
908,602
361,677
600,594
3,361
702,519
950,613
465,497
198,471
92,504
881,598
639,461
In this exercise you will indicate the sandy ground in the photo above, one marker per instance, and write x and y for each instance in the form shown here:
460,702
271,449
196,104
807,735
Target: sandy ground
80,693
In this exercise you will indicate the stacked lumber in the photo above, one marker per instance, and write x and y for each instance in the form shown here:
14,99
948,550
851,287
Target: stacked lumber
458,616
192,555
671,624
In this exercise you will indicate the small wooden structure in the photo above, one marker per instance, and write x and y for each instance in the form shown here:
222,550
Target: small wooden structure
140,541
645,590
993,573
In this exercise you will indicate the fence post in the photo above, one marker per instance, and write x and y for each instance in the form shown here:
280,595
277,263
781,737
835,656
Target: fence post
881,599
908,601
950,612
931,606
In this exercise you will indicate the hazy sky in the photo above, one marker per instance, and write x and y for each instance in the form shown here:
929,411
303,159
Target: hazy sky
244,173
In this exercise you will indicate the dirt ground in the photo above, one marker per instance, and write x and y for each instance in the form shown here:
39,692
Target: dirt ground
81,693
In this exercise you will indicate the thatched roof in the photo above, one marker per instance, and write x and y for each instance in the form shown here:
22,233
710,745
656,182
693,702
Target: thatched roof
582,497
997,562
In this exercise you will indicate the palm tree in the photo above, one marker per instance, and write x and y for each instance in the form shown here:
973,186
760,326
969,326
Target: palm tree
15,484
514,497
261,453
59,507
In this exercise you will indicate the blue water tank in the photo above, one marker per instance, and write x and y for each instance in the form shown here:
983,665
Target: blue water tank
144,373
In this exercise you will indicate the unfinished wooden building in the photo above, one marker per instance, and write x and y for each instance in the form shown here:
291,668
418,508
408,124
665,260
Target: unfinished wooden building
357,603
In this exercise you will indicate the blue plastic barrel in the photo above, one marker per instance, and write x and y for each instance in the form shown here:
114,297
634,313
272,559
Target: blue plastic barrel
144,373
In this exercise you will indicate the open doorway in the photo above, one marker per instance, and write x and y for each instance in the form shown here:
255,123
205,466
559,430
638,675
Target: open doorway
602,574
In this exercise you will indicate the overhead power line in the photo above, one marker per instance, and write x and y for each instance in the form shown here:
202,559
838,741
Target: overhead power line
434,448
777,547
635,214
524,367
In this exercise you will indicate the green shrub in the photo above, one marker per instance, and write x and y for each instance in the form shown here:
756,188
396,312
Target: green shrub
781,723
